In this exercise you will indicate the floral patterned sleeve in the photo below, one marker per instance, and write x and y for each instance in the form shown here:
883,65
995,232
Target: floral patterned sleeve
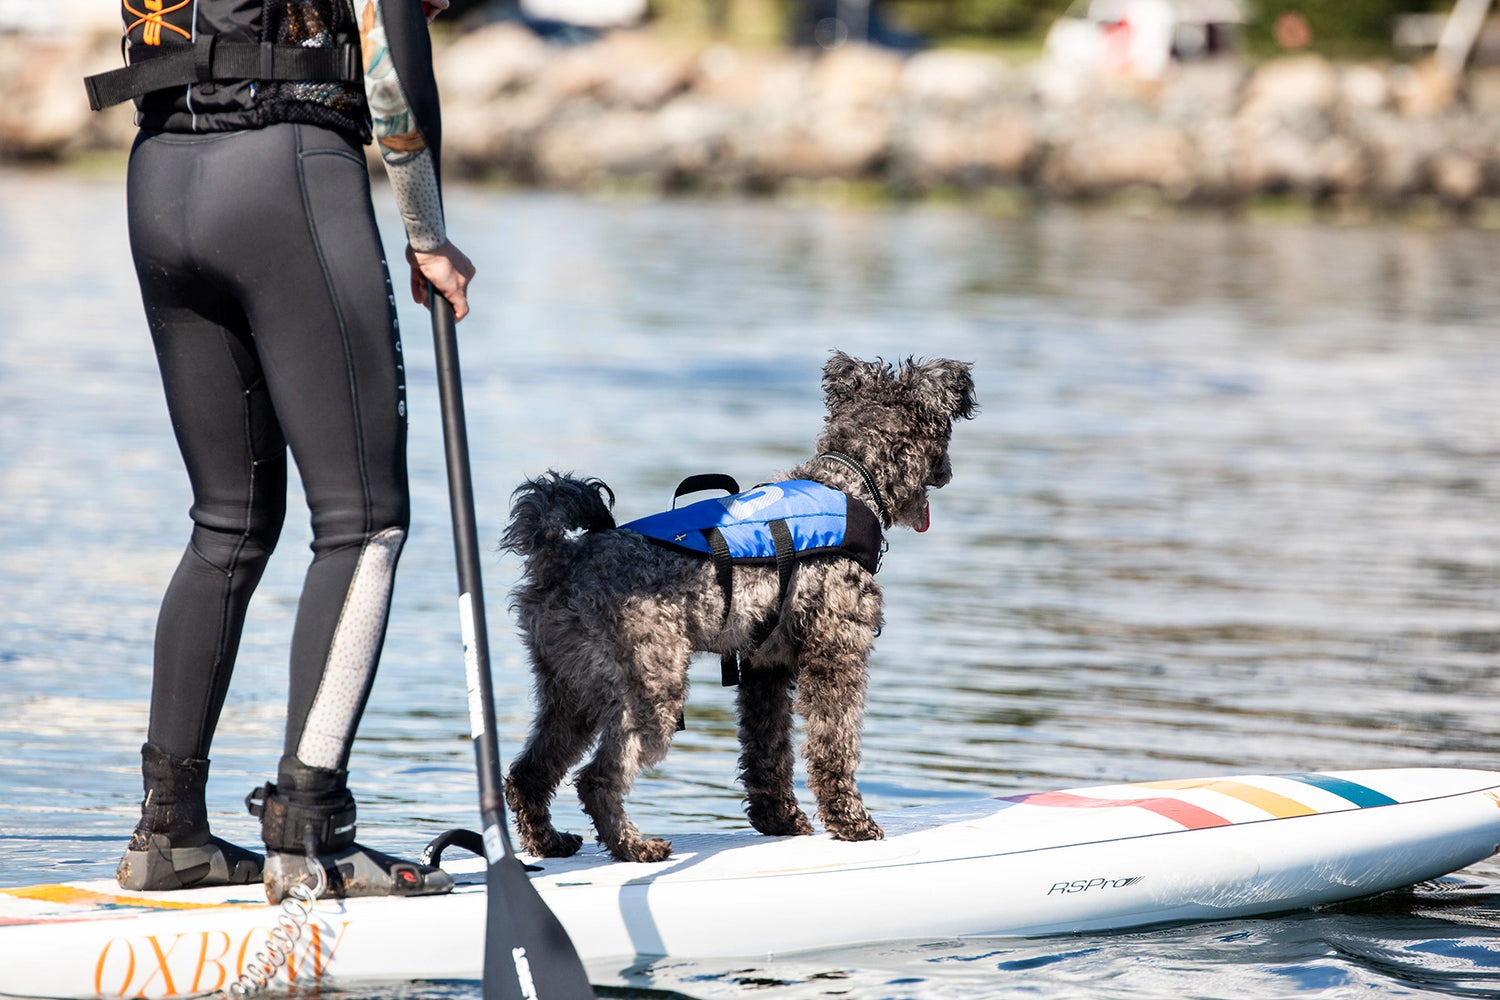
408,162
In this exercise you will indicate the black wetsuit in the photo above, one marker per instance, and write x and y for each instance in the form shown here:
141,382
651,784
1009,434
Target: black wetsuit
270,305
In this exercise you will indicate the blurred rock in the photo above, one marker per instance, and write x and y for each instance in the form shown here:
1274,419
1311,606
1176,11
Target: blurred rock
999,145
1200,92
1296,83
485,63
1456,176
635,106
947,81
44,110
1423,89
639,72
1364,88
578,152
1483,90
1122,155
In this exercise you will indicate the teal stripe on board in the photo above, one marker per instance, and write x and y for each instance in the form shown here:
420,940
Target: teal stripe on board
1360,795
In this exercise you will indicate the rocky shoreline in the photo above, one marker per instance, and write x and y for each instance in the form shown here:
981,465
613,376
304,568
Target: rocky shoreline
632,109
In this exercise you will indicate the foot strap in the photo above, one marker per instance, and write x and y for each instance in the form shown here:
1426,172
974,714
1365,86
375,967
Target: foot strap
284,819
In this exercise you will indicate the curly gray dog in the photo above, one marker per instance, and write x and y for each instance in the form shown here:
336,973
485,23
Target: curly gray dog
611,618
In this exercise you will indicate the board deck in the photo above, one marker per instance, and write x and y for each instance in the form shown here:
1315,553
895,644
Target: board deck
1086,859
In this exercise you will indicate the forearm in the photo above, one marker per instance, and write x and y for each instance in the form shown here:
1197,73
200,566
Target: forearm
408,161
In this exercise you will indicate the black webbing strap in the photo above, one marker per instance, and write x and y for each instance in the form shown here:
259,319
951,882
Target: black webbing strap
786,565
786,561
729,669
209,59
786,557
724,570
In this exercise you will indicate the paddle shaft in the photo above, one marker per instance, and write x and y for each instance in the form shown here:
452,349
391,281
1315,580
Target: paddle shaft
528,955
466,553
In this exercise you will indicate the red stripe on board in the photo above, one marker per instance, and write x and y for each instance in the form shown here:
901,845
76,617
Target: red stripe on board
1190,816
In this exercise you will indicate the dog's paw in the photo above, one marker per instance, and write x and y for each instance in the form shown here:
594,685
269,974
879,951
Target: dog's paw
647,851
779,821
555,844
865,829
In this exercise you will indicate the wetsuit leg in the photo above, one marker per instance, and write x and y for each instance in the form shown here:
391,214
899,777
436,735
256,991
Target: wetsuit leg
327,334
231,445
269,235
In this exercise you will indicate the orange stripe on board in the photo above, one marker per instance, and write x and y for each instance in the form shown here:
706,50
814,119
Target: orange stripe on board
69,895
1277,805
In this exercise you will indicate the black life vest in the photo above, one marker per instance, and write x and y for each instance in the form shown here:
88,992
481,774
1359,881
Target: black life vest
216,65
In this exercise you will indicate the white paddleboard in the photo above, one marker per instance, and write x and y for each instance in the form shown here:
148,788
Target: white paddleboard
1088,859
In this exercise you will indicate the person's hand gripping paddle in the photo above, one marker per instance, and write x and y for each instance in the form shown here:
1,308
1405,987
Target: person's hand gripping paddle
527,954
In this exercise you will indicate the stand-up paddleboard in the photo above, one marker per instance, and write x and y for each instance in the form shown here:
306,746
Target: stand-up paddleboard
1087,859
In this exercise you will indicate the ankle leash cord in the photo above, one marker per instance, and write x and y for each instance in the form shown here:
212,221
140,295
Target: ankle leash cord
296,914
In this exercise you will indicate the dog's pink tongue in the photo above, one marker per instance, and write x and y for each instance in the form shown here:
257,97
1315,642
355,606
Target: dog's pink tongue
926,517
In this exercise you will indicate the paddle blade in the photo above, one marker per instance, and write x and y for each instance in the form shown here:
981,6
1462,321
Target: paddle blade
527,954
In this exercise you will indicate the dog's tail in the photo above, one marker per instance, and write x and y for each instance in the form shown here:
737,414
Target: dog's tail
552,509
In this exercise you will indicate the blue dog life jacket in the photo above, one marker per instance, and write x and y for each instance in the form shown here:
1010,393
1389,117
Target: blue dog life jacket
777,523
820,521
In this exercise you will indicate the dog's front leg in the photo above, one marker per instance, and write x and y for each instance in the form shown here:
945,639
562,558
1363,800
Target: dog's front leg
831,698
766,757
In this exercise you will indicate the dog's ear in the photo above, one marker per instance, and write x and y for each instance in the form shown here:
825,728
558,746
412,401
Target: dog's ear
846,379
944,386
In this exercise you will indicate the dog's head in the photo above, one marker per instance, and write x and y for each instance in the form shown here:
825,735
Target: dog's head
896,422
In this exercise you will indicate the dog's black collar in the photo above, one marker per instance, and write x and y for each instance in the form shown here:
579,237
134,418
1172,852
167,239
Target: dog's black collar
869,484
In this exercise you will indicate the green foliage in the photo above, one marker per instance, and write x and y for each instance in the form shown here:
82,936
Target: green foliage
1345,19
945,18
1334,23
1338,26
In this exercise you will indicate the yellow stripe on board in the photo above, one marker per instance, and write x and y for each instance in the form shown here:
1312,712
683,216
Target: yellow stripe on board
69,895
1277,805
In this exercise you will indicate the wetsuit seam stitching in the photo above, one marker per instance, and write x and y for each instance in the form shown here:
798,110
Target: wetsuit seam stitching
246,525
343,332
308,154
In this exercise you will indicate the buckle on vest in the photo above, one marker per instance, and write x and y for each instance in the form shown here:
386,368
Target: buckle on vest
267,61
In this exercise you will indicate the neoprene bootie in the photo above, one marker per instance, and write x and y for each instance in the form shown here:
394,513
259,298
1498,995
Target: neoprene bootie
310,807
171,847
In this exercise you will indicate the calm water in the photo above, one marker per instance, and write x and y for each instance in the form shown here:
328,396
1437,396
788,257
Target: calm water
1231,505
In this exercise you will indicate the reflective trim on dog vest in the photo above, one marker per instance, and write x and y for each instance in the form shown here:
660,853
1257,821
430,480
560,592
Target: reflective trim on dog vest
821,521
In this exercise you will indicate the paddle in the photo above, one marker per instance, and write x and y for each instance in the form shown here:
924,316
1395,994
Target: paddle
527,954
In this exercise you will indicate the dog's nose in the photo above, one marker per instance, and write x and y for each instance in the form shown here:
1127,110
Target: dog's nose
943,475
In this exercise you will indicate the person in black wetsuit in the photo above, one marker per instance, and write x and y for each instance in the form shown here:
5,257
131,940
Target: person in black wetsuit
270,306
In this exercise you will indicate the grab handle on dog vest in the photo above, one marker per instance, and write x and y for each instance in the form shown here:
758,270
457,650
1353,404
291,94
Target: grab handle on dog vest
705,481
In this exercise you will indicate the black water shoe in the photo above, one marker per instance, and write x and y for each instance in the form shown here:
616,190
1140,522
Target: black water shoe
152,862
171,847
